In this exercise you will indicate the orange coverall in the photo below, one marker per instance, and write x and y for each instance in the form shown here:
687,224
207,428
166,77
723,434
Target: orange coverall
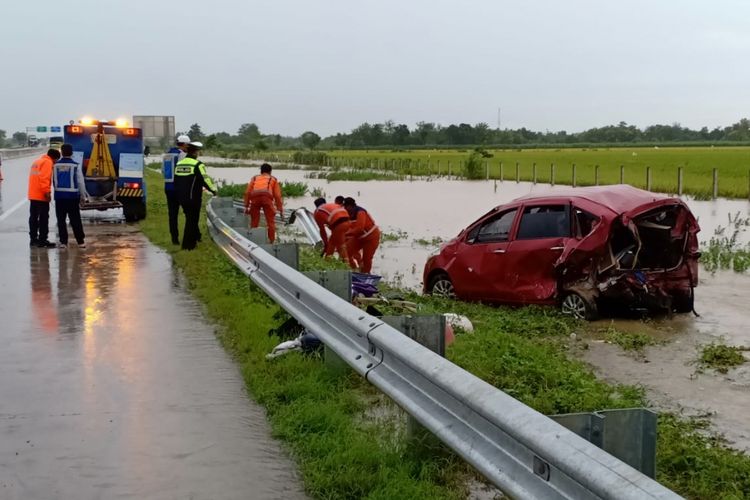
40,179
337,219
263,192
364,237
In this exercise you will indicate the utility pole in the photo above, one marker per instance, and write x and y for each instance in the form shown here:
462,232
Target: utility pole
498,118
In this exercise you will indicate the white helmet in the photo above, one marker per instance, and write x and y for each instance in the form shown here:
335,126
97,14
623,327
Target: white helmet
183,139
196,144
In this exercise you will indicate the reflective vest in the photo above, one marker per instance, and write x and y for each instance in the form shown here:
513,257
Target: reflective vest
190,177
330,214
66,179
168,163
40,179
363,223
262,185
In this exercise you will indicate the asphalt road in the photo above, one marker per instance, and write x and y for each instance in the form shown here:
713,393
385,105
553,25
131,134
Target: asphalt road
112,383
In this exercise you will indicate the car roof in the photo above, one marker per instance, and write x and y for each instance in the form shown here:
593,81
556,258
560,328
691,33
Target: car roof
619,198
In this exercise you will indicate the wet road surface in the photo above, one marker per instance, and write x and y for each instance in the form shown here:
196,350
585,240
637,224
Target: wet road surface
112,384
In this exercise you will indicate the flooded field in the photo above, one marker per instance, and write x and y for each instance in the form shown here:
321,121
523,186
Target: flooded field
418,214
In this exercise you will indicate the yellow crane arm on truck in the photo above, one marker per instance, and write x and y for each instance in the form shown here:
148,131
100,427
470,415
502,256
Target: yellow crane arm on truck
100,163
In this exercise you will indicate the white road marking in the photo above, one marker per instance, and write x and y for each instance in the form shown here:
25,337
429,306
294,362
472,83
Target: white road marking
12,209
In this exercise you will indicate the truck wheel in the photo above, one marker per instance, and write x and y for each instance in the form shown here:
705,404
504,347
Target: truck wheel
578,306
133,210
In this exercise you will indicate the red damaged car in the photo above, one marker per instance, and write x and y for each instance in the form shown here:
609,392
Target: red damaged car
581,248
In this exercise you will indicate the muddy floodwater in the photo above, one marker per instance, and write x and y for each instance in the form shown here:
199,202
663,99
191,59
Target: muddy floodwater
422,212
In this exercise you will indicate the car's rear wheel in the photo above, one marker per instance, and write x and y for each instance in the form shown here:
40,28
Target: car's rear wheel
578,306
441,286
682,303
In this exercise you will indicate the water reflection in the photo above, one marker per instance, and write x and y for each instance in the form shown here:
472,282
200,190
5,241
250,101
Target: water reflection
42,304
70,283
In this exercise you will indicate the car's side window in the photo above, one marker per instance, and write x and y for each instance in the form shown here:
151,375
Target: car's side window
545,221
584,222
495,229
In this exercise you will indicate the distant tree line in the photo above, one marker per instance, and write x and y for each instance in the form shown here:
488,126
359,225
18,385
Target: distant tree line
431,134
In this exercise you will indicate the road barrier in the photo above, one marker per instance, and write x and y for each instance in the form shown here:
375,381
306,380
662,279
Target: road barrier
524,453
10,154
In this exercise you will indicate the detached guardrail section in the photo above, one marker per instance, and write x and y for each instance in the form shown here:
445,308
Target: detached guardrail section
524,453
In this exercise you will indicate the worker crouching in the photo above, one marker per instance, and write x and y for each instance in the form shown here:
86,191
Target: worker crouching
336,219
264,193
363,237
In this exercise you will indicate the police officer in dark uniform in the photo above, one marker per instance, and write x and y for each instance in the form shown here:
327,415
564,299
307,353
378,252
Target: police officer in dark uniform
169,161
189,180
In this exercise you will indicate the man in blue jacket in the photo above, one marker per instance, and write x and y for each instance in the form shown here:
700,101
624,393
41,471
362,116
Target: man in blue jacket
170,160
69,187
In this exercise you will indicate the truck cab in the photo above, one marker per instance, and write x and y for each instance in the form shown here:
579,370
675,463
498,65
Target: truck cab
111,156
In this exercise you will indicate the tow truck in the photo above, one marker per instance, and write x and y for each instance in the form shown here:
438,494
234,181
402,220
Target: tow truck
111,155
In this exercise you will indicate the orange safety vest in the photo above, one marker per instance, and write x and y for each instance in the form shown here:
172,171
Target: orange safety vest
261,187
362,223
40,179
330,214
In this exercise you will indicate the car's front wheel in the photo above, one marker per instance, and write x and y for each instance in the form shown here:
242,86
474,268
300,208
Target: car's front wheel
441,286
578,306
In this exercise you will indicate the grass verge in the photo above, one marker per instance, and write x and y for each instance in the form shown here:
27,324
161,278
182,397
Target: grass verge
721,357
342,452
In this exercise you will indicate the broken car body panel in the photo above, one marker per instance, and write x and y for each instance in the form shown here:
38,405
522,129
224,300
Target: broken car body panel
614,243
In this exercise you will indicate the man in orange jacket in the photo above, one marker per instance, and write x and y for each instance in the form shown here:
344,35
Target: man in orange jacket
40,194
363,236
263,192
336,218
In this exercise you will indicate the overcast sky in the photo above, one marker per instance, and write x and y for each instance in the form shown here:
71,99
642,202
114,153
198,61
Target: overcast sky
329,65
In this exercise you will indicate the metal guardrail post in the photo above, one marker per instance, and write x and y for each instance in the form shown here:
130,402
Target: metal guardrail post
518,173
622,174
596,175
648,178
501,172
552,174
533,173
679,181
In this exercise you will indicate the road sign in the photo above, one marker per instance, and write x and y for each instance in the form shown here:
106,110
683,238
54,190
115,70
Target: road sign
55,129
41,129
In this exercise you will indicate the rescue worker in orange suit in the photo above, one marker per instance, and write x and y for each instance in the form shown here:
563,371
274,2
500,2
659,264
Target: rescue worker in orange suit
40,194
264,192
336,218
363,236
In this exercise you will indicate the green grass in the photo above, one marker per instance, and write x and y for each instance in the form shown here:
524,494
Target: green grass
288,189
355,175
724,250
733,164
721,357
344,452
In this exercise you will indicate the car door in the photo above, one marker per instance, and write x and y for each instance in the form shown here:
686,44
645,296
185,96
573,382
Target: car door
479,264
540,238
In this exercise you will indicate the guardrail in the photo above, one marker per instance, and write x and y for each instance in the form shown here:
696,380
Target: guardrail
9,154
524,453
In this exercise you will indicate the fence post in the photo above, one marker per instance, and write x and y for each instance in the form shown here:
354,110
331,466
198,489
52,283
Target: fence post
533,173
574,175
449,169
501,171
716,183
487,169
438,168
679,181
552,174
518,174
596,175
622,174
648,178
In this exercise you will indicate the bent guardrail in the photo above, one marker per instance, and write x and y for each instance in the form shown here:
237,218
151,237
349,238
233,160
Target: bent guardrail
521,451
